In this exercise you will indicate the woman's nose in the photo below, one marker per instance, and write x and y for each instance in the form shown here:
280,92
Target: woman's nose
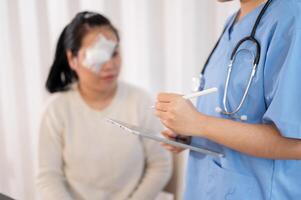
110,64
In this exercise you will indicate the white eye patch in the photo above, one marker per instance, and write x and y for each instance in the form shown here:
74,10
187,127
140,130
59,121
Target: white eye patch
99,53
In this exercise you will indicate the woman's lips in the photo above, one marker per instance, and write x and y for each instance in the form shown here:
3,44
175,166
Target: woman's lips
108,77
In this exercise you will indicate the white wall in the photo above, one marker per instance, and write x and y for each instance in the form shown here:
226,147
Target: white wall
164,43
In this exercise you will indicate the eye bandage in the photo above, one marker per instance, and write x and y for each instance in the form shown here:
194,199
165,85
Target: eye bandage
99,53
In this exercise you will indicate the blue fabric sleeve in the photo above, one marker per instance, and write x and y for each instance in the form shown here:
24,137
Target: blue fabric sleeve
282,81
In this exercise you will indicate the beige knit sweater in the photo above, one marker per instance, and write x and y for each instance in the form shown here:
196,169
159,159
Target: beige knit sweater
81,156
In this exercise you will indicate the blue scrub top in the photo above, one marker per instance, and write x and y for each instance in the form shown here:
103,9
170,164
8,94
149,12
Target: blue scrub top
274,97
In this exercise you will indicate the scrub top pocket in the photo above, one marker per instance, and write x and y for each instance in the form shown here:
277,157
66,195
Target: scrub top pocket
227,185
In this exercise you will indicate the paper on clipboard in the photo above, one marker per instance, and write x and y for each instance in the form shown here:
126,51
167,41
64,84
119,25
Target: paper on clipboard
148,134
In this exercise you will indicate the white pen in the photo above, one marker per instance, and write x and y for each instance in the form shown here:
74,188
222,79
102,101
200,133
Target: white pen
197,94
200,93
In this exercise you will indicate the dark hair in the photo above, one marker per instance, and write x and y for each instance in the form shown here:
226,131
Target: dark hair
61,75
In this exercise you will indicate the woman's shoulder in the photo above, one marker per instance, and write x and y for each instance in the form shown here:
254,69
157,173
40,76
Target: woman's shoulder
134,91
135,96
57,102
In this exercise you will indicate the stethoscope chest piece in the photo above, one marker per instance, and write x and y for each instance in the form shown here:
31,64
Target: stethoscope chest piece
234,116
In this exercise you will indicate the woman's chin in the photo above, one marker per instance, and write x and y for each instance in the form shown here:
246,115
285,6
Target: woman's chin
106,84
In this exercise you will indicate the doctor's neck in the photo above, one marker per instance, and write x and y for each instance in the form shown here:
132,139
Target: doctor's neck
246,6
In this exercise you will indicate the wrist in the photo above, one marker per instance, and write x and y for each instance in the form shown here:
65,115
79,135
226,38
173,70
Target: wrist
201,122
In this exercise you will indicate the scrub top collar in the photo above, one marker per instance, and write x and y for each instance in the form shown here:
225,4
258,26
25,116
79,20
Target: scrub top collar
245,23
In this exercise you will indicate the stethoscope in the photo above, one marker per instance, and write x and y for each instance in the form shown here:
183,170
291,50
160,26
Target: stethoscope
199,83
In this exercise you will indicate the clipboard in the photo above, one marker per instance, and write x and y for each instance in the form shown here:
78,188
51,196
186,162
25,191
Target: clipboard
150,135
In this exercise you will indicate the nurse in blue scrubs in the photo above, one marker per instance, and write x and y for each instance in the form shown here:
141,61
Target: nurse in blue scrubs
261,142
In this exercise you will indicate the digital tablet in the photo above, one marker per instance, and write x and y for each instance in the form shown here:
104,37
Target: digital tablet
150,135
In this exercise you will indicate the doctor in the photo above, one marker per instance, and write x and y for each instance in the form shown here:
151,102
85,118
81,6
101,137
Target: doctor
255,118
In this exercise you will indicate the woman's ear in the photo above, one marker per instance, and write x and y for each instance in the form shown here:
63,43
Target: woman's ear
72,60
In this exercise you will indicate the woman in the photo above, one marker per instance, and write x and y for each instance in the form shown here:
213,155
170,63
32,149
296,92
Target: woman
81,156
261,141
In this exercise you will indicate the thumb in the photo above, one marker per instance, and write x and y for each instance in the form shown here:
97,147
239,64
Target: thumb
169,133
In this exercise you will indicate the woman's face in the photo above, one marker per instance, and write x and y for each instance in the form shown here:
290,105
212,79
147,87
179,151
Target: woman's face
106,78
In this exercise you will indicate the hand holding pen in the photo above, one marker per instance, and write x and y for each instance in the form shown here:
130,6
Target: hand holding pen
178,115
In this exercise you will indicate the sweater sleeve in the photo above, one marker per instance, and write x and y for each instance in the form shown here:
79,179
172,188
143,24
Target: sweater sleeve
158,161
50,182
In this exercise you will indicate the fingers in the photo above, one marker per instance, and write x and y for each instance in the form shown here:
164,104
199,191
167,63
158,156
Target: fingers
167,97
164,102
170,135
162,115
172,148
173,136
162,106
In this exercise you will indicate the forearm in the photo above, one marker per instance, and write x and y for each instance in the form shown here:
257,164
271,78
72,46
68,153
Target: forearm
52,186
150,187
51,182
158,169
258,140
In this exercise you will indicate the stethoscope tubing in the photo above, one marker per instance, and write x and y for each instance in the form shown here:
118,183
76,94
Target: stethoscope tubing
256,59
